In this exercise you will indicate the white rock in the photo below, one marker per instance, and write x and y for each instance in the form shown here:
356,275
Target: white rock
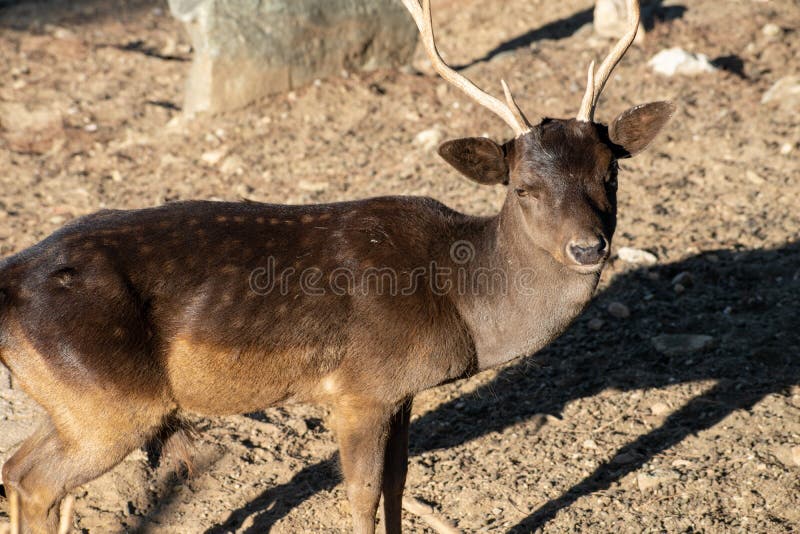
636,256
678,61
659,408
429,139
785,93
589,444
212,157
312,187
771,30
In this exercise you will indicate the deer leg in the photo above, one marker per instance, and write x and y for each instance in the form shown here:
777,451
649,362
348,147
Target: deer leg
57,459
362,431
395,467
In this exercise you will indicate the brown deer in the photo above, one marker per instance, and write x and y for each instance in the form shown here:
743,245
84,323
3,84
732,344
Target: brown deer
123,320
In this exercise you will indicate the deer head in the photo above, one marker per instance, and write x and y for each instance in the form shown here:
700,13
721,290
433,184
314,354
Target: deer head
561,173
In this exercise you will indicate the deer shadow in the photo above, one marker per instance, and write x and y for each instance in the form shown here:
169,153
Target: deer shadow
746,299
652,13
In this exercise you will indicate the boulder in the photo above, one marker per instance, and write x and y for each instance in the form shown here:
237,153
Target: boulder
611,20
247,49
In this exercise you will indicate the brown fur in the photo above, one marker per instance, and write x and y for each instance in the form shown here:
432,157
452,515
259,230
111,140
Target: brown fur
123,319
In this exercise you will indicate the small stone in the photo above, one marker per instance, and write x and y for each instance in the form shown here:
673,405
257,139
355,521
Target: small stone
595,324
298,425
429,139
772,30
624,458
784,93
619,310
312,187
232,164
681,344
678,61
754,178
33,131
212,157
679,288
589,444
636,256
788,456
659,408
58,219
650,481
786,148
683,278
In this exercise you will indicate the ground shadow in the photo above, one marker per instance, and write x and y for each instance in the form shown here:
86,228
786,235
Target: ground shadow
34,15
746,299
652,13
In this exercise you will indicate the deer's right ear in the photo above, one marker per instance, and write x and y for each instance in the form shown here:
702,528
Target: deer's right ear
477,158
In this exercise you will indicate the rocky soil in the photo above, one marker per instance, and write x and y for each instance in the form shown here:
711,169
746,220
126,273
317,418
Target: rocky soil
672,405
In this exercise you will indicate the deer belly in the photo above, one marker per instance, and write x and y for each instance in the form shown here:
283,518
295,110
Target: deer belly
218,380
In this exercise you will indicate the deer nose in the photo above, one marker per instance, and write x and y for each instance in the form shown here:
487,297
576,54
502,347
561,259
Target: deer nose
588,251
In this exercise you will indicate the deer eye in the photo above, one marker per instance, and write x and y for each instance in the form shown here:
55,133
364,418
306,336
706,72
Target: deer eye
521,192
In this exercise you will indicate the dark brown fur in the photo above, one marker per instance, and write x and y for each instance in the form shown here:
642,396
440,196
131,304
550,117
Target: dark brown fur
122,320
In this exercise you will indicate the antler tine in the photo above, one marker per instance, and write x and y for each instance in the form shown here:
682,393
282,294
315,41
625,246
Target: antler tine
611,61
511,114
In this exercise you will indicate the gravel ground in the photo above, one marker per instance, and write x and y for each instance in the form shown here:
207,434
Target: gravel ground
601,431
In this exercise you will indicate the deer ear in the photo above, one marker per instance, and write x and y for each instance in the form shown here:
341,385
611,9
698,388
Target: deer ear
477,158
636,127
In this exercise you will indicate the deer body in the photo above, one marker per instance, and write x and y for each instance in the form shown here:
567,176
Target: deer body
123,320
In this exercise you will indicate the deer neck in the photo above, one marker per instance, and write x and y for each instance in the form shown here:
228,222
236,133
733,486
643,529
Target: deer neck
531,298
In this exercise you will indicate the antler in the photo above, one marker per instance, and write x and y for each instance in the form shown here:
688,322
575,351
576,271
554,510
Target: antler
509,111
597,80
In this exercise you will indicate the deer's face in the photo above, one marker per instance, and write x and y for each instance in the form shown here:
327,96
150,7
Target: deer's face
562,179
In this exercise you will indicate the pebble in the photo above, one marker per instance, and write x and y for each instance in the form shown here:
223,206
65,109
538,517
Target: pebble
772,30
784,93
678,61
788,456
619,310
681,344
312,187
659,408
684,278
649,481
212,157
636,256
429,139
589,444
754,178
596,324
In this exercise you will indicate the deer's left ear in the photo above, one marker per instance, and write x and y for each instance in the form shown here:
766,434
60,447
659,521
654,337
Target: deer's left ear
477,158
636,127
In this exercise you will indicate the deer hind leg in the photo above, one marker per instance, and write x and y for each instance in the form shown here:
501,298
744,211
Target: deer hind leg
362,431
395,468
55,461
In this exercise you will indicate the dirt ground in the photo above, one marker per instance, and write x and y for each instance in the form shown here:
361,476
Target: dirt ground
599,432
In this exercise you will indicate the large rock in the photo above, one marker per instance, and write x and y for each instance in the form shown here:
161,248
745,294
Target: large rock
611,20
246,49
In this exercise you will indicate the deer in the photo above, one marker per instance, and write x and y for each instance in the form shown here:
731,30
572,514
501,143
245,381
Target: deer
124,321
